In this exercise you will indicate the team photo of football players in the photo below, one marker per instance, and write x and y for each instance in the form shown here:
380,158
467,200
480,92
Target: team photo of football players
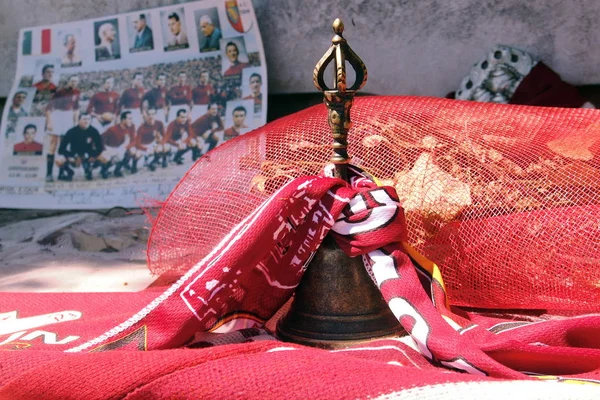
139,113
140,119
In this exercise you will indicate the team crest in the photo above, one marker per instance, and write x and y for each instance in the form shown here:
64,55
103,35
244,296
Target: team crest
233,15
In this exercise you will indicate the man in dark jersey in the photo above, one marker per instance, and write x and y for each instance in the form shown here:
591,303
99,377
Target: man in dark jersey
80,146
119,142
131,99
157,99
148,140
62,113
103,106
201,96
179,97
178,136
205,131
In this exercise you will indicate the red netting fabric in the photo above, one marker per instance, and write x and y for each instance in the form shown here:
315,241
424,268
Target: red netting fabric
505,199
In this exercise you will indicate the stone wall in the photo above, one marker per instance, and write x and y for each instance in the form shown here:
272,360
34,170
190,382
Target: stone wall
410,47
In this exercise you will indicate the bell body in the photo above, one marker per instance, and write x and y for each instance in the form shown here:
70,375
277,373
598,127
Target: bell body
336,303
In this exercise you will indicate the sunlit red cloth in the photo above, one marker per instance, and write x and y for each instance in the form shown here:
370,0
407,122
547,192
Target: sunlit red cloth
468,185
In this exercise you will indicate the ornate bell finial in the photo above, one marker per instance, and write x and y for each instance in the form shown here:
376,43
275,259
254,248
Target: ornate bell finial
339,98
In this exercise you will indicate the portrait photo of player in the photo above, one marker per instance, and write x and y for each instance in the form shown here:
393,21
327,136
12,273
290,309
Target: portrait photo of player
174,29
29,146
106,37
46,77
209,29
139,29
234,56
19,108
70,51
252,84
238,118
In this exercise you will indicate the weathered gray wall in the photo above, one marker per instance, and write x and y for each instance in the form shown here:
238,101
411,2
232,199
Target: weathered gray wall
410,47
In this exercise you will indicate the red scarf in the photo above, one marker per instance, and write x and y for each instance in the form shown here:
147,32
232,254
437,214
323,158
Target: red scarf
63,339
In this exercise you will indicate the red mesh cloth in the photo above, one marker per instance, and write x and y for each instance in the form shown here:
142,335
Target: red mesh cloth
503,198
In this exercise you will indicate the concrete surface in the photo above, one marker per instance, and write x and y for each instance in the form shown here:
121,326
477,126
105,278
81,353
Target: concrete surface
77,252
410,47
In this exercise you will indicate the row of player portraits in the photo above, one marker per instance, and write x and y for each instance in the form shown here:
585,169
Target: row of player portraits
137,33
232,50
44,75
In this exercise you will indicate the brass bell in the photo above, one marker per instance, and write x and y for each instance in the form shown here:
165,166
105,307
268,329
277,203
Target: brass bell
336,303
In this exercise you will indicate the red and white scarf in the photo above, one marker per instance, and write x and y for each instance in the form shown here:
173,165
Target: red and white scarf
226,297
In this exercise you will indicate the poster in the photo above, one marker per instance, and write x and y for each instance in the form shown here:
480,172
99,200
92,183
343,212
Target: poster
112,111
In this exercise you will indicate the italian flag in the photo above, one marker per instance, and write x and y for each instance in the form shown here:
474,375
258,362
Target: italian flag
36,42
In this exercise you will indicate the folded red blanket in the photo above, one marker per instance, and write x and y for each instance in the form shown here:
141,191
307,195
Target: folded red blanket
508,75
